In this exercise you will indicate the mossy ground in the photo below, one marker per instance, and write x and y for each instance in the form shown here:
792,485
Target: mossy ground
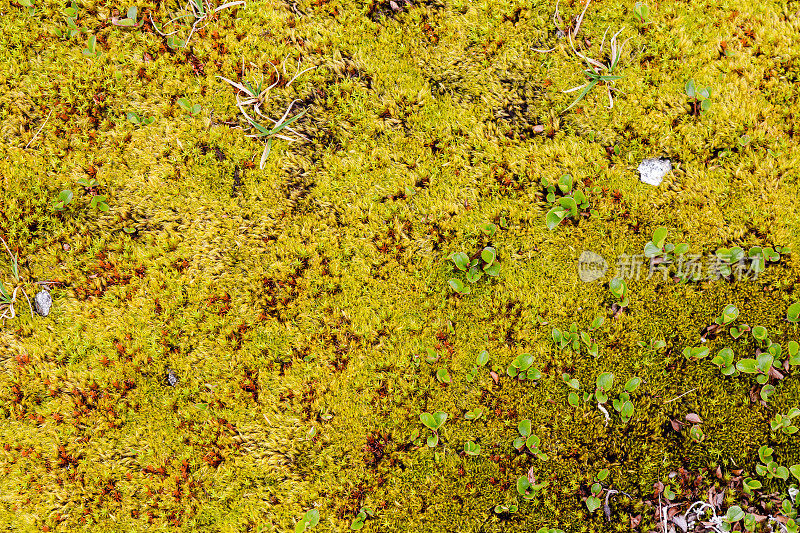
295,298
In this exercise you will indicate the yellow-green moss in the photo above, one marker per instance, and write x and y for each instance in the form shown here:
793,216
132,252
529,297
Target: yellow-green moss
291,301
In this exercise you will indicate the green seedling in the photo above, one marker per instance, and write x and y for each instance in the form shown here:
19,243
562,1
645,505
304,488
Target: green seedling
604,384
481,360
598,321
738,331
598,72
759,366
361,517
522,368
528,440
793,313
175,43
793,349
61,201
71,15
433,422
279,127
92,50
88,183
619,289
724,360
8,297
750,484
129,21
309,521
766,392
786,505
623,404
488,229
795,471
472,449
761,335
486,263
760,256
733,515
726,258
654,346
696,433
695,353
784,422
528,489
568,205
572,398
729,314
134,118
574,339
443,376
660,251
700,97
642,12
458,286
474,414
184,104
99,202
768,467
593,502
505,509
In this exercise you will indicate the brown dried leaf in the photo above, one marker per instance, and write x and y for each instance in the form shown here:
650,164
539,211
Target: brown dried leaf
538,128
636,520
494,375
676,424
694,418
773,373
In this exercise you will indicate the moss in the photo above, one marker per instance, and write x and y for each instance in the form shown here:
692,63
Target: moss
291,302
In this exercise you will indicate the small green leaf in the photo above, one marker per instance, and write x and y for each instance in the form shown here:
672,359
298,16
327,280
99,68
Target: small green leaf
471,448
488,255
554,217
734,514
458,286
593,503
443,375
573,399
632,384
690,89
659,237
488,228
524,427
482,358
605,381
429,421
432,440
627,410
493,270
793,313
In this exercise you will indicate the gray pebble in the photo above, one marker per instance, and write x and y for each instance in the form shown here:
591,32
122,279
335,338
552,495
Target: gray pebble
172,378
42,303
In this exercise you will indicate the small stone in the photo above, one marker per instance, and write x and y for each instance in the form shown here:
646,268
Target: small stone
652,171
172,378
42,303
